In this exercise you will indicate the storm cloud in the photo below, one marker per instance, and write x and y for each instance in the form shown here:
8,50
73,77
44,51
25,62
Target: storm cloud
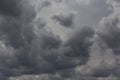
27,49
31,42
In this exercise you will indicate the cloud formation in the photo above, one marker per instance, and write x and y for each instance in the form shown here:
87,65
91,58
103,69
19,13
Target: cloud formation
30,46
108,36
26,49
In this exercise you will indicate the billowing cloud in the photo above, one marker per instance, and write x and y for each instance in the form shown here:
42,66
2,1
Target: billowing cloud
31,42
80,42
108,38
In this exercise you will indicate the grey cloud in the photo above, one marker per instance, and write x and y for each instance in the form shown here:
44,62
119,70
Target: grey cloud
43,77
40,56
110,34
40,22
59,1
89,12
76,51
47,50
10,7
80,43
12,28
103,72
67,73
65,20
16,32
27,51
45,3
50,42
45,54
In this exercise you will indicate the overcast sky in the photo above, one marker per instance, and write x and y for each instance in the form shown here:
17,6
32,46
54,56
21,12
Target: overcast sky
60,39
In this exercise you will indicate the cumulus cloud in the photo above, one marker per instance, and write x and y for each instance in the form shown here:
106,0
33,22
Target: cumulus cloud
27,50
29,47
108,36
80,42
13,29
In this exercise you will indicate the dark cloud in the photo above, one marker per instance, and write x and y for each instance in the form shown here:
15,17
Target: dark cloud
46,54
111,33
65,20
116,0
67,73
10,7
11,29
50,42
80,42
27,49
35,58
104,72
4,78
17,31
89,12
16,34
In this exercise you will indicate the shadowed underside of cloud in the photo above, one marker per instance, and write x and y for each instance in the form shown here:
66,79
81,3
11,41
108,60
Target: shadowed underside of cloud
80,42
23,50
26,49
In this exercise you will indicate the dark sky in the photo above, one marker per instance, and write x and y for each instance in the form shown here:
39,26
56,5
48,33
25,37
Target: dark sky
59,39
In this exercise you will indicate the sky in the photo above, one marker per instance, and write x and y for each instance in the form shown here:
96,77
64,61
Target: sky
59,39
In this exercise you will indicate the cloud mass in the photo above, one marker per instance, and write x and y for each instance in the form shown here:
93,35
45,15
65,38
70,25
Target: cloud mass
32,39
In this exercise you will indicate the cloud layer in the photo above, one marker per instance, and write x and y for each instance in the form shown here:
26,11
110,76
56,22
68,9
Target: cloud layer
31,42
